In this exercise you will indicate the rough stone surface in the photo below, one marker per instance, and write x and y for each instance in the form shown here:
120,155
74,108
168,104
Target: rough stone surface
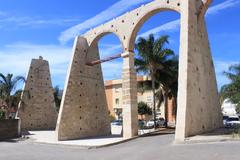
37,111
198,102
129,96
199,109
9,128
83,111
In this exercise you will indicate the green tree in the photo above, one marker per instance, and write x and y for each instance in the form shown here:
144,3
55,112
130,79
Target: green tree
166,84
8,91
168,80
2,114
231,91
57,97
152,56
144,109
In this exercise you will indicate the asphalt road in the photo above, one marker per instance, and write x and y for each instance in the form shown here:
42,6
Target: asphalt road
158,147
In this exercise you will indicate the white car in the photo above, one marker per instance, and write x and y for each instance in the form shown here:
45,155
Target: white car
225,118
232,122
117,123
159,122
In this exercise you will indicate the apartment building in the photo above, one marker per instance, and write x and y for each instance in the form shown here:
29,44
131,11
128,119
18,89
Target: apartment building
113,89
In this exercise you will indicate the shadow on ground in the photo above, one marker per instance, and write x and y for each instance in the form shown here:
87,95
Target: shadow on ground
221,131
162,131
10,140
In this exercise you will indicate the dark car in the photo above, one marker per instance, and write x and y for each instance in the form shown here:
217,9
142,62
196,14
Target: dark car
233,122
117,122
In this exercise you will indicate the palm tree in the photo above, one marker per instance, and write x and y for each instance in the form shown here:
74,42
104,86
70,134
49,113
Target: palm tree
231,91
57,97
152,56
166,85
168,80
8,92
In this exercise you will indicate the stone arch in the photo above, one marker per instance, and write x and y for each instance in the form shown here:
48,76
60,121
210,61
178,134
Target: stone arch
146,16
93,44
203,8
143,19
97,36
198,105
93,41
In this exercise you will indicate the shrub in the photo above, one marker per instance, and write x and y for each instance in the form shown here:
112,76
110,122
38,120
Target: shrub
144,109
2,114
112,118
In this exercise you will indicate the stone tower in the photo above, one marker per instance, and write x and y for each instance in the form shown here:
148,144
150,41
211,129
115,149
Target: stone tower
83,111
37,110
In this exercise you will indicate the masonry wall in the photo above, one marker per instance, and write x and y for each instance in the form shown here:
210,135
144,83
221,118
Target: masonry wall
198,104
110,100
37,111
9,128
199,108
83,111
172,108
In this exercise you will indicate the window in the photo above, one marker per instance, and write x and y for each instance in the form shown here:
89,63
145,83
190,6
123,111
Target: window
149,99
117,101
117,90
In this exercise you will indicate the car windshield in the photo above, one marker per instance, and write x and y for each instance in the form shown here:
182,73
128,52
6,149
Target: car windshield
225,117
233,119
117,121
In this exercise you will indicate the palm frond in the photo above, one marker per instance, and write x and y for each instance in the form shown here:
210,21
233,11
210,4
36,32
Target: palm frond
141,65
160,44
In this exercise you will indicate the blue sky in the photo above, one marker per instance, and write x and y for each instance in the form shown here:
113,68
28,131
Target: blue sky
29,29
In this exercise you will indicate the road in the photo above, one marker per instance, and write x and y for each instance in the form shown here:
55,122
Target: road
144,148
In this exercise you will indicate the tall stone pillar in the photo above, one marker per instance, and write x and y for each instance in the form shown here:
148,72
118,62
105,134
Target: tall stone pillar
199,110
129,89
83,112
37,110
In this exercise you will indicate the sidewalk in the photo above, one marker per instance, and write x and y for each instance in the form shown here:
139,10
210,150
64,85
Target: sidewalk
218,135
49,137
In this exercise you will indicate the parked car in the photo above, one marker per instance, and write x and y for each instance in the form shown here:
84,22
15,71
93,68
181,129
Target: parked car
225,118
160,122
141,123
232,122
117,122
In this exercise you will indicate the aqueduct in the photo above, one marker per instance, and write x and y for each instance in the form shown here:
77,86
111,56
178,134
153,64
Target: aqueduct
83,111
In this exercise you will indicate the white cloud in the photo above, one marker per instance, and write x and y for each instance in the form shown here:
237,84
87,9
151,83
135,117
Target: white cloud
125,5
2,13
174,25
7,20
170,26
112,70
224,5
16,58
112,12
220,67
109,49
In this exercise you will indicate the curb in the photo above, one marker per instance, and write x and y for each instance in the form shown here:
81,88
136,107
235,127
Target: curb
33,141
220,140
113,144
